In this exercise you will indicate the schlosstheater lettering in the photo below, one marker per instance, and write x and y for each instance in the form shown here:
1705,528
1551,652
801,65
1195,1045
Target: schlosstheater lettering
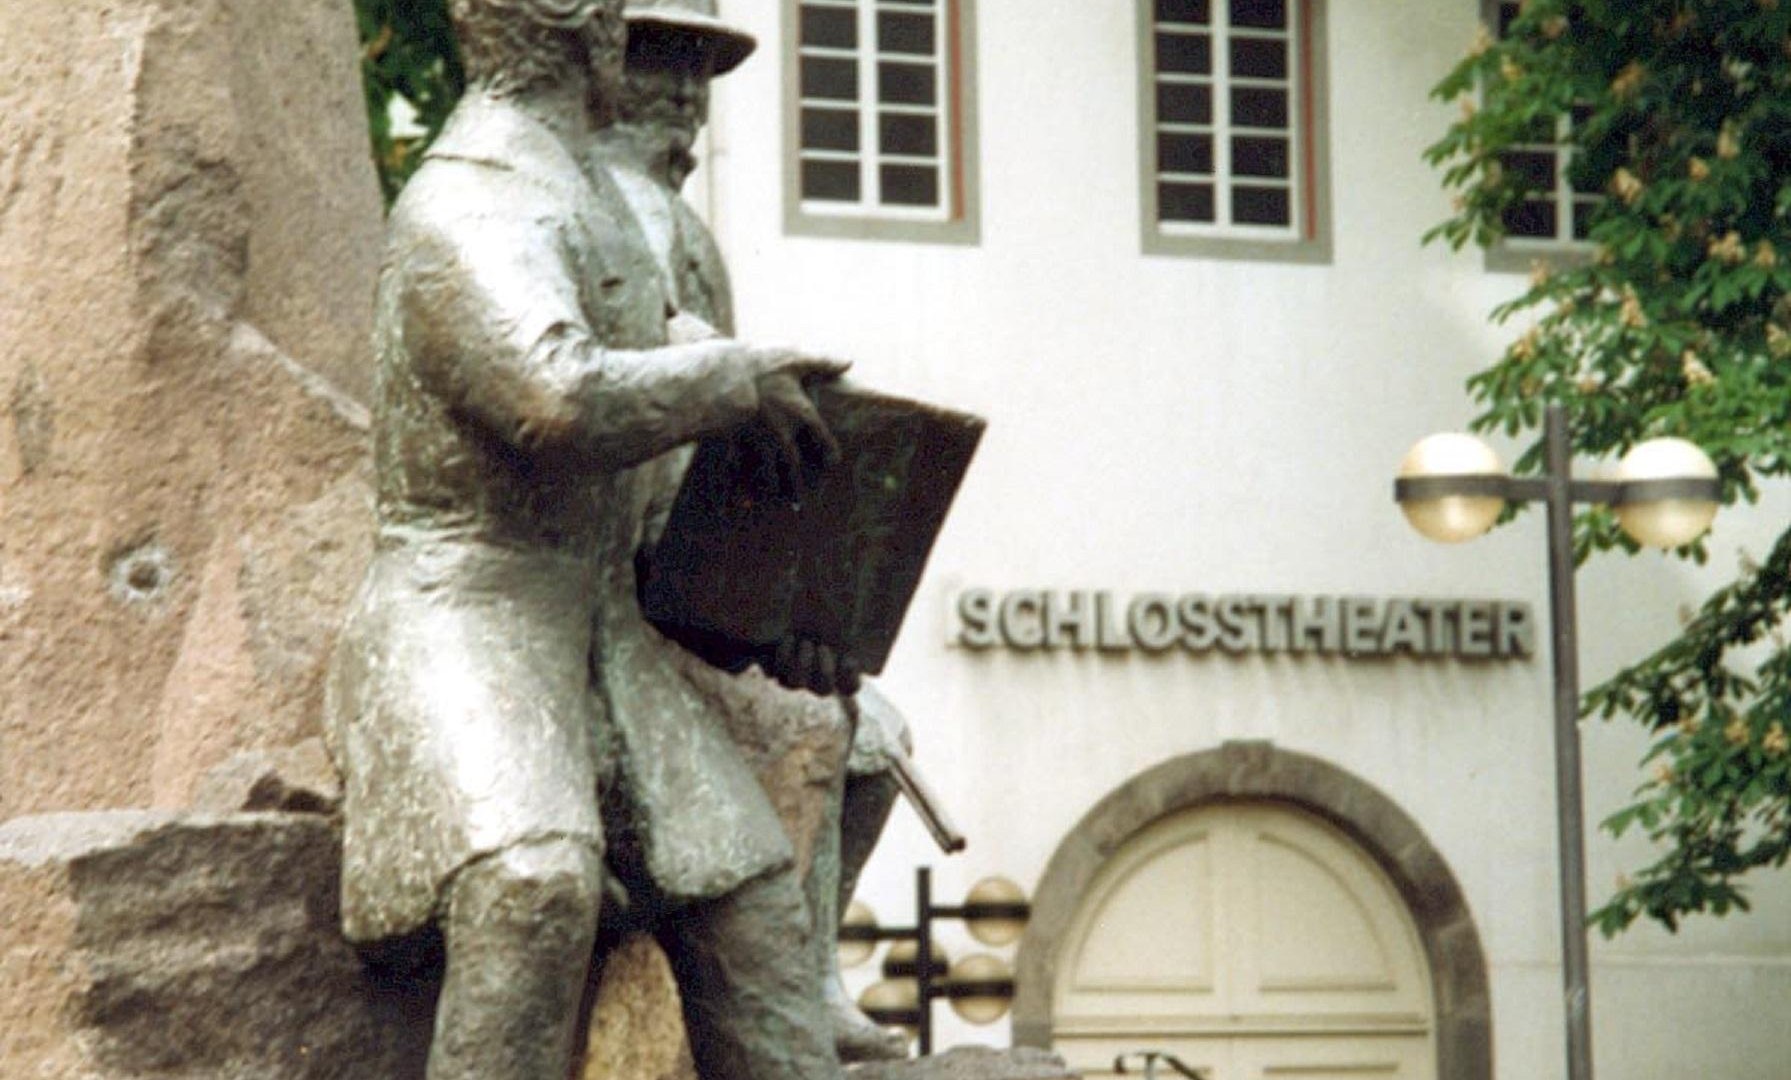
1349,626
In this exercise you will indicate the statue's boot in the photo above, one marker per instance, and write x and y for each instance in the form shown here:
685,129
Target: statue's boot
863,809
856,1036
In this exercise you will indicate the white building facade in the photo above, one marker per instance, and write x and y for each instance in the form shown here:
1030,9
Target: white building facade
1296,818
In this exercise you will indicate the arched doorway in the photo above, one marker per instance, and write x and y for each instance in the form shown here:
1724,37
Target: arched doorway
1242,818
1250,940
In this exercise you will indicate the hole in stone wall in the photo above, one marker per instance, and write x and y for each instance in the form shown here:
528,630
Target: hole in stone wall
141,574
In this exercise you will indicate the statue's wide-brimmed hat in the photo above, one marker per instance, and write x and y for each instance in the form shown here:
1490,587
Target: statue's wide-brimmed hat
729,45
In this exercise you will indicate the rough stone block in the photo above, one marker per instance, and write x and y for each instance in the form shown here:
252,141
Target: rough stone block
135,944
189,232
971,1063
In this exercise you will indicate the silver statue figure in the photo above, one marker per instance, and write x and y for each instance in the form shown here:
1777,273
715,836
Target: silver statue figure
675,47
504,718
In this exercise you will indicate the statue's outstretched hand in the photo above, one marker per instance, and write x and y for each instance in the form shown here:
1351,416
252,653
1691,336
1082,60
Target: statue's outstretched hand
804,444
804,665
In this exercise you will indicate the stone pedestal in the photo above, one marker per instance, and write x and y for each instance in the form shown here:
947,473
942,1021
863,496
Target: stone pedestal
139,944
136,944
189,232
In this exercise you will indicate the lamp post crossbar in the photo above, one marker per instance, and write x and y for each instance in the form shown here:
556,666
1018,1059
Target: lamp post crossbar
1537,488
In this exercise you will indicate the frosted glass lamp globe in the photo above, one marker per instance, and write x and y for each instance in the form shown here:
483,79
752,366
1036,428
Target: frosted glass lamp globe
982,1007
995,930
892,996
854,952
1671,522
1451,519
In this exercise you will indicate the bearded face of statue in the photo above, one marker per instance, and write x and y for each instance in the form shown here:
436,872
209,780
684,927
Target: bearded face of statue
664,104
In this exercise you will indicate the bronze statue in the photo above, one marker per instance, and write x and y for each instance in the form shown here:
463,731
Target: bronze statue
675,47
504,719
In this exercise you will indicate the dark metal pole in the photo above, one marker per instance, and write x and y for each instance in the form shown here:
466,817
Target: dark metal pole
1570,809
923,953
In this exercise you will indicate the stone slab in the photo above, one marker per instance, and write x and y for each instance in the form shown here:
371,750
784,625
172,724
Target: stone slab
138,945
971,1063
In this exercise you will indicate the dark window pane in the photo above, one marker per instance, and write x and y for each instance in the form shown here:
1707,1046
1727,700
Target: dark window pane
1181,103
1185,202
1259,157
1254,107
1183,11
833,28
1257,58
910,185
1507,15
1532,168
829,78
1188,54
1583,211
906,84
1532,218
1185,153
833,181
903,133
1261,206
1259,14
900,32
829,129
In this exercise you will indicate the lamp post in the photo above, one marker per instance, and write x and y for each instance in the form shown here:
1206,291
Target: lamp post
917,972
1453,488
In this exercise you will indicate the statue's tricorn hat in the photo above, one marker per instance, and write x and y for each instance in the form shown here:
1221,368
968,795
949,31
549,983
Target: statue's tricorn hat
728,45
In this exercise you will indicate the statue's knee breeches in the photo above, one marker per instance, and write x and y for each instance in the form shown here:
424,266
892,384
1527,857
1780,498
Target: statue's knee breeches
544,882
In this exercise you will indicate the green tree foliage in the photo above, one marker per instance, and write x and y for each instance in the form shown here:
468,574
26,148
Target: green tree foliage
407,51
1674,323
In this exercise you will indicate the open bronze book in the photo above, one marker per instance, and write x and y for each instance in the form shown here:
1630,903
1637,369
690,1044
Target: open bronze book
740,567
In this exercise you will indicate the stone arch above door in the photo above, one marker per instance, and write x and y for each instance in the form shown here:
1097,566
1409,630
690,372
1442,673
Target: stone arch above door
1261,771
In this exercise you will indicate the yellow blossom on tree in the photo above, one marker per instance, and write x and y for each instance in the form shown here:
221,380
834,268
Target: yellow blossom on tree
1695,371
1628,81
1698,169
1729,249
1778,342
1626,186
1765,255
1630,314
1524,348
1737,732
1728,144
1776,741
1483,40
1509,70
1554,26
1663,773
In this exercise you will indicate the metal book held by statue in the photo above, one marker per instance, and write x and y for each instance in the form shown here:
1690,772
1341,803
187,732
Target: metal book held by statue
742,565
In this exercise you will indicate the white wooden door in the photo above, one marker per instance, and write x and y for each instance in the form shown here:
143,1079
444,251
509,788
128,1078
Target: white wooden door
1252,941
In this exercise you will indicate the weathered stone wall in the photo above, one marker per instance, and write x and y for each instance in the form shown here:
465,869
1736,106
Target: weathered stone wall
189,229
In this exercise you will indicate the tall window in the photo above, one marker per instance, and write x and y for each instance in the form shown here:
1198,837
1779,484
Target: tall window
1555,210
1232,119
880,114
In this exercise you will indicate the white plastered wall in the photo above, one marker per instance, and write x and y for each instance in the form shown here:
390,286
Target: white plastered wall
1181,424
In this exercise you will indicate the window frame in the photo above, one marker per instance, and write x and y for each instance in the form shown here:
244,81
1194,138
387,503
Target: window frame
956,220
1308,238
1517,254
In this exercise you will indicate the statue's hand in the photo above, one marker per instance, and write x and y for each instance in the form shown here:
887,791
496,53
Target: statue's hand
804,444
800,664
